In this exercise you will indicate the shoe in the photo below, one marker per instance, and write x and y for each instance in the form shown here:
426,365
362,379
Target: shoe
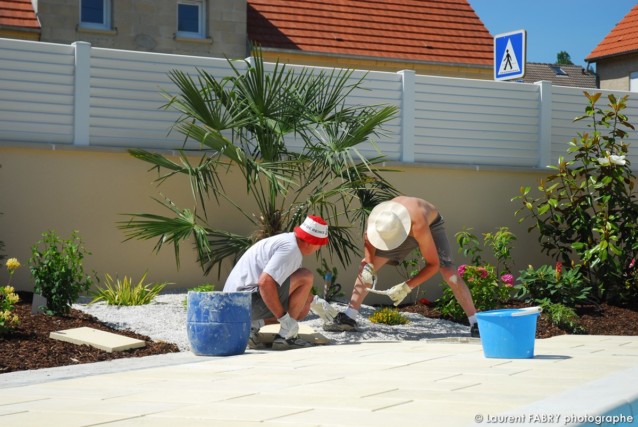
342,322
254,340
474,331
280,343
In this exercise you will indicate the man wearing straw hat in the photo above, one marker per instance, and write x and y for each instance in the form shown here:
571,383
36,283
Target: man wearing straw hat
394,229
281,288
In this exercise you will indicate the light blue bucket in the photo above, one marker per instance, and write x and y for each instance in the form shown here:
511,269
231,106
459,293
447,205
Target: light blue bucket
218,323
508,333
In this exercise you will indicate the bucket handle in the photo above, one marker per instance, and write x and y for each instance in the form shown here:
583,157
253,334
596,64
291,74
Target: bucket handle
528,310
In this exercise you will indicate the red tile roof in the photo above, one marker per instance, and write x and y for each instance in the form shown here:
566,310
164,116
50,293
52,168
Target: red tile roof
622,39
18,14
442,31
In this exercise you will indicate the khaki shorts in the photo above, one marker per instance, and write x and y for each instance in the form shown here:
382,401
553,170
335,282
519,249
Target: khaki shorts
396,255
259,310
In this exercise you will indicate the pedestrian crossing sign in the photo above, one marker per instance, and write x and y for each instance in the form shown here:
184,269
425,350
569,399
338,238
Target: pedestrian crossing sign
509,55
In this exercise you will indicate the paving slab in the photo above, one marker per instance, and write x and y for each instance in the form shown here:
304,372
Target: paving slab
103,340
371,384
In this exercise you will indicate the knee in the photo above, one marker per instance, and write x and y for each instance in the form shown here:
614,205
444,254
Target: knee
301,278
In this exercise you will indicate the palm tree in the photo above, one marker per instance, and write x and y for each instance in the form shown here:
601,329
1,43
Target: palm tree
244,122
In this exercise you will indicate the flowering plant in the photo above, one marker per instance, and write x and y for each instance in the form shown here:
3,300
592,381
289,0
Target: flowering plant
489,288
556,284
8,299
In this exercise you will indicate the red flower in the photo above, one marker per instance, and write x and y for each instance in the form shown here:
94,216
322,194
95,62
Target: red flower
425,301
559,268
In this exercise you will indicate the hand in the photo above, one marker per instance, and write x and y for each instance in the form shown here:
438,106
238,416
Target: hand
288,327
398,292
323,309
369,276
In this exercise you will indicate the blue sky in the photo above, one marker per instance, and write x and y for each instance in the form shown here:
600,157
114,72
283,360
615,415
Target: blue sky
574,26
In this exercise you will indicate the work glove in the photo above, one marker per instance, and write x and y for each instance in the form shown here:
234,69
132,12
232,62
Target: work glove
288,327
369,276
398,292
323,309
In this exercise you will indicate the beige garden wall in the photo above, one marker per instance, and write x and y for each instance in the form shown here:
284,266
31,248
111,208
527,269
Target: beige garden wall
66,188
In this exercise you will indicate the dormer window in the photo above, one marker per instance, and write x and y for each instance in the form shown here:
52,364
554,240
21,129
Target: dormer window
559,71
95,14
190,19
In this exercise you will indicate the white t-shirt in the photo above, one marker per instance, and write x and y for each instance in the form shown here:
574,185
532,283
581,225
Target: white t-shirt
279,256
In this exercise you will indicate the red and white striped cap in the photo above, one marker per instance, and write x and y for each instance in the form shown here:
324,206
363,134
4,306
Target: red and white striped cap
313,230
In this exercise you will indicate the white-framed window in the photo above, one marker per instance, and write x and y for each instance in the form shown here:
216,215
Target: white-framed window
633,81
95,14
191,19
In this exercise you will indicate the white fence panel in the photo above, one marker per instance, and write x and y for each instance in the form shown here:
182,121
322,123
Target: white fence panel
462,121
569,103
377,89
126,96
442,120
36,92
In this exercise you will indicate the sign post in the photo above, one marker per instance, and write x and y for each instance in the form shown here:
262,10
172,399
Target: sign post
510,55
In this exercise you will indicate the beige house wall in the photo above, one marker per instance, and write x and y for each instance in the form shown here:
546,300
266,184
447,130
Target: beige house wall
150,26
614,72
90,190
378,64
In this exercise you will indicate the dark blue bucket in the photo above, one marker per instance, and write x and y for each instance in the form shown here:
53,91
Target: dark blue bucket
218,323
508,333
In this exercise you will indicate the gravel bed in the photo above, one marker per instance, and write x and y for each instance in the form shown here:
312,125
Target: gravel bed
164,319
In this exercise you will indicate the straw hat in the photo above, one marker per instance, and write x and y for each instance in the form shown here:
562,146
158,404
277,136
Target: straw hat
388,225
313,230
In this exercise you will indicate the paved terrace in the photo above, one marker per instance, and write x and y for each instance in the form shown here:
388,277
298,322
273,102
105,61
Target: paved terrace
409,383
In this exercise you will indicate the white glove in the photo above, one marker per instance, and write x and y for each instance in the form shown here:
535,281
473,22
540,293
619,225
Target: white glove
288,327
398,292
323,309
369,276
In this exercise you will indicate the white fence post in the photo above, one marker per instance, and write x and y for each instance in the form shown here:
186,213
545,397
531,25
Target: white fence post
407,115
545,124
82,94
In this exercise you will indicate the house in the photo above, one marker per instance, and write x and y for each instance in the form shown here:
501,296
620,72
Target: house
189,27
18,20
559,75
616,56
435,37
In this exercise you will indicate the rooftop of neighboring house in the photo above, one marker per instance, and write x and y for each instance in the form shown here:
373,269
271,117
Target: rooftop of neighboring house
18,14
559,75
622,39
438,31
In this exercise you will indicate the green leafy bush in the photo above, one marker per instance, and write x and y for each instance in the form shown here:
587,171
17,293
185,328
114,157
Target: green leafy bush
388,316
56,267
125,293
556,285
586,212
563,317
489,285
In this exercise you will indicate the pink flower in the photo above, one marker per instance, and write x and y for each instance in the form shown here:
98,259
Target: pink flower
461,270
508,279
482,272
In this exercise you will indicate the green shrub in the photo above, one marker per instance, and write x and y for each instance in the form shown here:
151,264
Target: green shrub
56,267
586,211
488,291
125,293
563,317
554,284
490,285
388,316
